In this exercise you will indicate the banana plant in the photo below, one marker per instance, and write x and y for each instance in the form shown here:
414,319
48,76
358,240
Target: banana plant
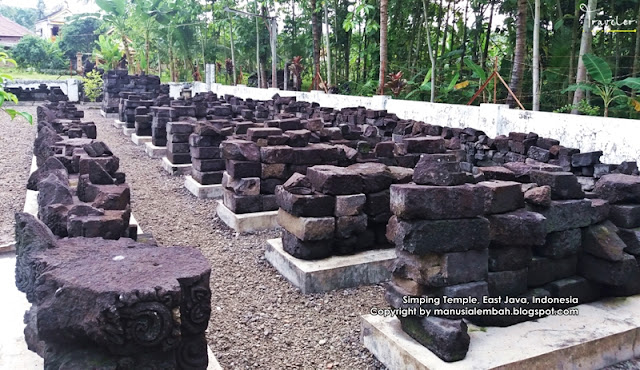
603,84
116,14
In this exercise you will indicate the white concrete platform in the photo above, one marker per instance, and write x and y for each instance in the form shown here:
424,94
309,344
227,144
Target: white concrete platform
175,169
108,115
128,131
247,222
155,151
118,124
139,140
337,272
203,191
603,334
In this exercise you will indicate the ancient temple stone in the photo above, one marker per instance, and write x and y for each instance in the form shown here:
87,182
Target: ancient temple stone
517,228
448,339
625,215
438,169
502,196
334,180
539,196
602,241
437,202
307,228
438,270
564,185
42,147
565,214
306,250
618,188
53,191
51,166
240,150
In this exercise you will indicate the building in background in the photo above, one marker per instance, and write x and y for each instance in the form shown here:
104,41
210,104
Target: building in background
49,27
11,32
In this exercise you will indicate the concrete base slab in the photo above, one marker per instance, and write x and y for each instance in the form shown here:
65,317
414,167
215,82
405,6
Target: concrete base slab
8,247
119,124
108,115
248,222
202,191
139,140
603,334
175,169
155,151
213,361
128,131
338,272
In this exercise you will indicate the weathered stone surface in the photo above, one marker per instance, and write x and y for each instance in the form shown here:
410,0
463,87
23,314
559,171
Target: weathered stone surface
585,159
239,169
275,171
497,173
103,224
632,239
565,214
55,217
51,166
618,188
564,185
602,241
255,133
298,138
438,169
303,202
98,175
241,204
97,149
425,144
447,339
508,320
242,186
502,196
438,270
517,228
575,286
347,226
539,154
616,273
561,244
334,180
410,201
378,204
349,205
307,228
306,250
53,191
438,236
375,176
507,283
179,128
539,196
401,175
42,146
205,152
509,258
240,150
544,270
208,165
627,215
277,154
600,210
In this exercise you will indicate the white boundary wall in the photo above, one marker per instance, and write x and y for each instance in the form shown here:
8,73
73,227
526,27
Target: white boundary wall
618,138
70,87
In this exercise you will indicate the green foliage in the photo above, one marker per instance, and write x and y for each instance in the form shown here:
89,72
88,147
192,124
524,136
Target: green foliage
583,107
25,17
41,9
6,96
38,53
92,85
108,51
79,35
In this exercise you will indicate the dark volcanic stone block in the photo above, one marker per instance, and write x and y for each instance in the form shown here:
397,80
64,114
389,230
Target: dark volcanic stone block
508,320
632,239
601,240
239,204
310,250
507,283
208,165
240,150
565,214
575,286
618,188
544,270
410,201
207,178
178,147
51,166
447,339
239,169
502,196
242,186
539,154
439,236
377,203
601,210
561,244
627,216
347,226
509,258
564,185
334,180
517,228
438,270
376,177
255,133
298,138
426,144
197,140
497,173
585,159
438,169
616,273
277,154
179,158
205,152
53,191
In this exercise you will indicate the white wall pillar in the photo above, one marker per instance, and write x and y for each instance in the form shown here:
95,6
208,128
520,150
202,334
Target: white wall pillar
73,90
489,119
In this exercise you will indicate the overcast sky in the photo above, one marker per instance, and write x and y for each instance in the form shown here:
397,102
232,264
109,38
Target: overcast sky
75,5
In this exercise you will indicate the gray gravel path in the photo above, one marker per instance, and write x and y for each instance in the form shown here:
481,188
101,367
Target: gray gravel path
258,320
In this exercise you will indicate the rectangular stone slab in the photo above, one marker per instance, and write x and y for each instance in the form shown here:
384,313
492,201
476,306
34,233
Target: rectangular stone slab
338,272
603,334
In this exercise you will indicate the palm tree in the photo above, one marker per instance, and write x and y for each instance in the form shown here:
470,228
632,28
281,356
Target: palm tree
316,31
116,16
585,45
517,71
384,15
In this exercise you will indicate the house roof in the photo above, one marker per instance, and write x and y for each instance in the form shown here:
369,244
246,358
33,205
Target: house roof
11,28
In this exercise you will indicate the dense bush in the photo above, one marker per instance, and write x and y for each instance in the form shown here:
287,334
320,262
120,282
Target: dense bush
79,35
37,53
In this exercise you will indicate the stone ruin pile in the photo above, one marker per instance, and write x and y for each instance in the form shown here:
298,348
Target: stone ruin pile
99,298
41,93
65,119
119,81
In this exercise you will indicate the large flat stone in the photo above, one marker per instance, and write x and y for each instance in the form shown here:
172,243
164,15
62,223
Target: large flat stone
248,222
203,191
338,272
603,334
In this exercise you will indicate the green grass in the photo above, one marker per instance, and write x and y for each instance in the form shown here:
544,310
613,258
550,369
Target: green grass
19,74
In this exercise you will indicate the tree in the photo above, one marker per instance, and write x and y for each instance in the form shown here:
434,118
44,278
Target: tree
116,16
585,45
38,53
79,35
107,51
23,16
384,15
536,56
316,32
431,56
517,70
41,10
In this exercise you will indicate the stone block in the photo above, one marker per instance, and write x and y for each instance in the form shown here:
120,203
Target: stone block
564,185
539,154
561,244
585,159
306,250
544,270
497,173
602,241
277,154
438,169
212,152
347,226
240,204
576,287
539,196
208,165
349,205
240,169
298,138
425,144
615,273
240,150
619,188
307,228
438,270
507,283
564,215
517,228
632,239
207,178
625,215
255,133
502,196
509,258
447,339
438,236
304,202
242,186
334,180
179,128
376,177
410,201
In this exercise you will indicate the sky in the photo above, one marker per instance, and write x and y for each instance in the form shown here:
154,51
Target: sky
76,6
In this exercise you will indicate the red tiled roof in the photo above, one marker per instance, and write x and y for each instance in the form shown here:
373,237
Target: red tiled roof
11,28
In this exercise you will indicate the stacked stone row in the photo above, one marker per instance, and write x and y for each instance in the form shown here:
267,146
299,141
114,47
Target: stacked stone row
119,80
336,210
129,102
178,149
117,303
207,163
65,119
41,93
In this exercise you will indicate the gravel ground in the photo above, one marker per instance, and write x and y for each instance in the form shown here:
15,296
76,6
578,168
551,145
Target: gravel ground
16,148
258,320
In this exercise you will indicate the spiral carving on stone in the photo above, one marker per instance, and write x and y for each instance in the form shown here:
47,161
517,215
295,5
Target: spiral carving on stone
192,354
148,324
196,307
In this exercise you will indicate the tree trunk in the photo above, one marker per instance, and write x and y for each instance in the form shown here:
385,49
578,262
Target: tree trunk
255,10
233,53
316,43
585,44
485,53
464,36
127,52
384,18
446,29
636,53
327,45
431,56
536,56
572,57
146,42
439,27
517,71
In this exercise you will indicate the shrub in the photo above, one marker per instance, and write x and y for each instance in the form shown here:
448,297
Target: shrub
92,84
37,53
